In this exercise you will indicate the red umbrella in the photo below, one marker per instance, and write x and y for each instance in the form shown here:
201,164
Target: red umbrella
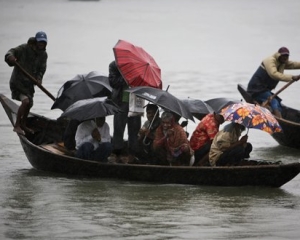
136,66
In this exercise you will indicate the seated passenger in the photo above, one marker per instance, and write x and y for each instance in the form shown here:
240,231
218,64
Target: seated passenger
227,149
93,140
170,145
203,136
147,134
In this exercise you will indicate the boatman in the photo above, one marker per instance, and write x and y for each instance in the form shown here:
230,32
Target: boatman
267,76
32,56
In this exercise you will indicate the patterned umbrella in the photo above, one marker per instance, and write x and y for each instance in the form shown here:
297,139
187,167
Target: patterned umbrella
251,116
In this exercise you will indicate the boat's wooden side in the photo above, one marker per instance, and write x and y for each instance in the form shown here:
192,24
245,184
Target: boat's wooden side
44,153
273,175
290,123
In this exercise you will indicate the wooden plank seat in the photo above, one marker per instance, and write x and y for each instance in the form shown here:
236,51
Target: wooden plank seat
58,148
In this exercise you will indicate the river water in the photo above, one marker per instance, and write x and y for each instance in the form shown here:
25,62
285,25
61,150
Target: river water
204,48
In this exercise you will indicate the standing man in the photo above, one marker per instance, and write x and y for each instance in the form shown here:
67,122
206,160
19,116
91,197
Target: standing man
32,56
267,76
121,98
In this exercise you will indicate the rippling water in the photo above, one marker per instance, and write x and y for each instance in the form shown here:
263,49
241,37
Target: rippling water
204,48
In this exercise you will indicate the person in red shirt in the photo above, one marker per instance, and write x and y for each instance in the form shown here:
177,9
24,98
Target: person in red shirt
203,136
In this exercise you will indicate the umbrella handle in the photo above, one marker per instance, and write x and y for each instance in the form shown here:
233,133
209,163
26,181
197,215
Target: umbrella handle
149,127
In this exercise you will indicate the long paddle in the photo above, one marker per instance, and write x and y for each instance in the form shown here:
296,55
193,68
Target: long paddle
265,103
35,81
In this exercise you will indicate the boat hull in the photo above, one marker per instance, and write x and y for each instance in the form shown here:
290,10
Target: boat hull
49,133
290,135
256,175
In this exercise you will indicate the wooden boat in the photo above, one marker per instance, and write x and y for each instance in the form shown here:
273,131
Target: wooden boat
290,123
46,153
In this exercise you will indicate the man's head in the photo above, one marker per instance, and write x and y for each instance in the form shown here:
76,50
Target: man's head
100,121
219,118
284,54
41,39
150,111
167,120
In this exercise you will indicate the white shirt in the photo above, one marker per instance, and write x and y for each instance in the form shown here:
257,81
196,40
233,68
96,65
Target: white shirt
84,133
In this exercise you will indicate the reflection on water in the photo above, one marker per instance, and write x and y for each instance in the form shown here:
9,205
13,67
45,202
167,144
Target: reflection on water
47,205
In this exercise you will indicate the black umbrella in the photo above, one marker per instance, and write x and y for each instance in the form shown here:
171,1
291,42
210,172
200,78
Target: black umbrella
163,99
82,86
90,108
217,104
197,107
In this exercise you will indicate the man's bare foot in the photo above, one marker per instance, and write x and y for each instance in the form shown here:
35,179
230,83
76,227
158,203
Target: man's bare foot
19,130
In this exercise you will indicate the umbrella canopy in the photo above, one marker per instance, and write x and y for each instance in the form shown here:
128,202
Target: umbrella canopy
251,116
217,104
82,86
197,107
90,108
136,66
163,99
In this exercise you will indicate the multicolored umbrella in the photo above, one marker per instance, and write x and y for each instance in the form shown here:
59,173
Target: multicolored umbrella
136,66
251,116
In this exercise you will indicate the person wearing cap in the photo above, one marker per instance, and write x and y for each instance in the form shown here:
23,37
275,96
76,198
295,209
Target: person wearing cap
267,76
32,56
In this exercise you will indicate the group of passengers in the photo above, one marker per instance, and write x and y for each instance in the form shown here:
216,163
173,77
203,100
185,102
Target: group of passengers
161,139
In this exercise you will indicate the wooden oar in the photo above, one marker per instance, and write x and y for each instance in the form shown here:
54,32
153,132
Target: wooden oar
265,103
35,81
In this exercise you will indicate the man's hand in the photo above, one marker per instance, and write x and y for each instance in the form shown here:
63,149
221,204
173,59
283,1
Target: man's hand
39,81
170,132
96,135
244,139
296,78
12,60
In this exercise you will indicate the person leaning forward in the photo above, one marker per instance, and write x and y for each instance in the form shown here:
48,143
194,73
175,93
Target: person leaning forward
227,149
32,56
267,76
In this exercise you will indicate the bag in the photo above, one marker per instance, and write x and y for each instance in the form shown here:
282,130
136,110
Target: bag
136,105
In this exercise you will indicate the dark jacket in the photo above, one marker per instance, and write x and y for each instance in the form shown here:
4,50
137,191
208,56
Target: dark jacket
117,82
33,61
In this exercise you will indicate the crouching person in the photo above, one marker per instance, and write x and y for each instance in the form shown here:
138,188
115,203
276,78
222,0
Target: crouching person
170,144
93,140
228,148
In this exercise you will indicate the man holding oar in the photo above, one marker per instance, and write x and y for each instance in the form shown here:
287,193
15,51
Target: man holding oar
267,76
30,58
